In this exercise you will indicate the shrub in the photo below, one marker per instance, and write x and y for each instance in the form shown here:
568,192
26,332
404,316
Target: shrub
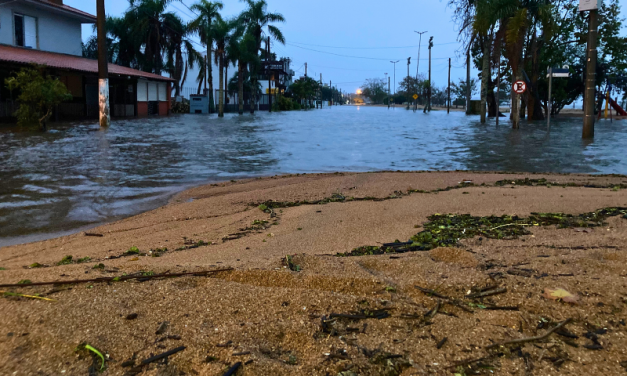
39,94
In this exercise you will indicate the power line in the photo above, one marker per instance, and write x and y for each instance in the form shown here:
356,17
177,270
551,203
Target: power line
367,48
355,57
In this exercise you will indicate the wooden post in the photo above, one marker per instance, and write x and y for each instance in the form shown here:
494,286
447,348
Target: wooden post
103,66
548,103
468,92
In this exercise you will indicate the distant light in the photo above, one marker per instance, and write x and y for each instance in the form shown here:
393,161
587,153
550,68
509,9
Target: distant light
358,91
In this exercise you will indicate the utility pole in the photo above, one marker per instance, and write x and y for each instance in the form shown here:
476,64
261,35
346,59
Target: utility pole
331,95
103,66
468,92
389,93
418,63
588,107
408,63
428,105
448,106
306,71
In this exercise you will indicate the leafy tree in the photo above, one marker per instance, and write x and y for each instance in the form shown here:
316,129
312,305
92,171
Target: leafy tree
39,94
375,89
458,90
224,34
305,88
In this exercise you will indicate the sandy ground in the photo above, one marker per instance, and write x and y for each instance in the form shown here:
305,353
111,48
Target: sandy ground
276,321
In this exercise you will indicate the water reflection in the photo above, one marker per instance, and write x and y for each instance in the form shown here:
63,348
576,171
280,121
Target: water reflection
76,175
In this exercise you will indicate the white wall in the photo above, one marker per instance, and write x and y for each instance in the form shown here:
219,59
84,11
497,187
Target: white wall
56,32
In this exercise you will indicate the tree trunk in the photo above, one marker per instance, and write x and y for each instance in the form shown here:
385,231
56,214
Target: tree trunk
209,76
491,100
221,93
523,106
515,115
240,86
485,79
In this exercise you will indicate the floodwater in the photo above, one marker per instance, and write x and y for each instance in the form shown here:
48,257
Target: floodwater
77,175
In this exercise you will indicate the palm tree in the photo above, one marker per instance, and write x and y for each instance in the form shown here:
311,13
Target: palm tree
148,22
208,14
257,22
241,51
175,42
223,33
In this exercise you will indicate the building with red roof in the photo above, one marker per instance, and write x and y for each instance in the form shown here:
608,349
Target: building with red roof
48,33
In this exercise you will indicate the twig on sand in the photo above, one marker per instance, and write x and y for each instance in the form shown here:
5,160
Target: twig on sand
431,314
7,293
487,293
117,279
448,300
162,356
467,361
231,371
532,339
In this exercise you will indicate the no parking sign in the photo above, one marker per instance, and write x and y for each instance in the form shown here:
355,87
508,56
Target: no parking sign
520,87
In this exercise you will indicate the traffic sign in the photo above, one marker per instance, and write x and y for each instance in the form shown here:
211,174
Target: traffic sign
587,5
520,87
415,96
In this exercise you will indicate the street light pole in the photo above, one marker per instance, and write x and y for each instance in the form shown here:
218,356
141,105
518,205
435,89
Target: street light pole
408,63
394,62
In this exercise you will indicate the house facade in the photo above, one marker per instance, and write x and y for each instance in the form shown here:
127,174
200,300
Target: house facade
48,33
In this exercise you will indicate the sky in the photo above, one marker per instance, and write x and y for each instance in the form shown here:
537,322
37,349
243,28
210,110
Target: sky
373,32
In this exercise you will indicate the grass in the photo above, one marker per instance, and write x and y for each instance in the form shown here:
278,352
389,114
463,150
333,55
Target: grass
35,265
65,261
83,260
99,266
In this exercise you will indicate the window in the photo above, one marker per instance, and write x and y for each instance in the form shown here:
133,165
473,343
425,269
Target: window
25,31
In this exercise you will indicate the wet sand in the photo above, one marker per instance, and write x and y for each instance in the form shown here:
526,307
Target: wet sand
276,318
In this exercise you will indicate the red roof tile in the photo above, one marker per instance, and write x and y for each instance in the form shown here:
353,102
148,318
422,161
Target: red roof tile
68,9
68,62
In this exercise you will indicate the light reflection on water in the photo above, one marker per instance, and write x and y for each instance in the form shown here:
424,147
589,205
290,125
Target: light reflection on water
79,175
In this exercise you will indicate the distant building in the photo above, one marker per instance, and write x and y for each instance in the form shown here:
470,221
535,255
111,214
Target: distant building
48,32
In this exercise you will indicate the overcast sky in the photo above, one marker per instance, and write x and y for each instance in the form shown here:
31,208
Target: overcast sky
375,31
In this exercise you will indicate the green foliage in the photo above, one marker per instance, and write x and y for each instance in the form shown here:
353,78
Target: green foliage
65,260
99,266
446,230
83,260
25,282
180,107
304,88
132,251
39,94
36,265
3,269
376,89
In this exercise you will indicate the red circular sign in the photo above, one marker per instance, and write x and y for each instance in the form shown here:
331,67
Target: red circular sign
520,87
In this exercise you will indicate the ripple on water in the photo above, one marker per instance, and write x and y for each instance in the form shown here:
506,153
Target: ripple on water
78,174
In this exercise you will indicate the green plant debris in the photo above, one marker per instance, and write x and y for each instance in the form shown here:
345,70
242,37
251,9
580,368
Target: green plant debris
17,295
83,260
35,265
84,346
289,262
25,282
292,360
99,266
390,289
446,230
132,251
192,245
263,207
148,273
3,269
258,224
65,261
158,252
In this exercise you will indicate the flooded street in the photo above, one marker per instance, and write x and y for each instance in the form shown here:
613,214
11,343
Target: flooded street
76,176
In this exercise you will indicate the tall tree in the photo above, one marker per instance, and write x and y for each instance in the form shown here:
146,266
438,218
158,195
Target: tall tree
208,14
257,21
224,33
